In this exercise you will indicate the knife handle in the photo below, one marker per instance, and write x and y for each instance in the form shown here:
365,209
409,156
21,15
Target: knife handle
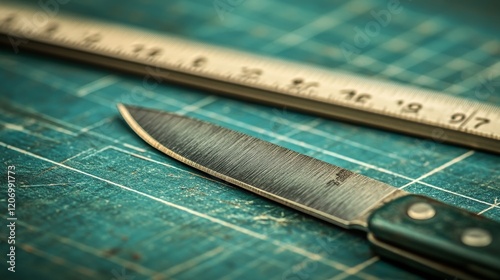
430,235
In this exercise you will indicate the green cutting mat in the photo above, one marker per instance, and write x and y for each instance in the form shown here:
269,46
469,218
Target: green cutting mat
94,201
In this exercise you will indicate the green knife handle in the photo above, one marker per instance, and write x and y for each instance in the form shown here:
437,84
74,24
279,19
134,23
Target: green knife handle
427,234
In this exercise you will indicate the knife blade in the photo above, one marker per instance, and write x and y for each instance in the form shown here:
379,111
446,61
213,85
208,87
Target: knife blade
419,231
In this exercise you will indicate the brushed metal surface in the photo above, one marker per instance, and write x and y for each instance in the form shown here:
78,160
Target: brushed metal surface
318,188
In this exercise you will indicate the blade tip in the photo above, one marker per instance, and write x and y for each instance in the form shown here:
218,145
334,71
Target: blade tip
123,109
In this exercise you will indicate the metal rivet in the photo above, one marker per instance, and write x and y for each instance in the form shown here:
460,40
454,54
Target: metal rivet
421,211
476,237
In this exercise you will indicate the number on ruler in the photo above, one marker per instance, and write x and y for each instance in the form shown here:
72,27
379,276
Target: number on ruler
92,38
412,107
14,40
8,21
51,29
461,118
250,73
199,62
139,49
354,96
154,52
299,86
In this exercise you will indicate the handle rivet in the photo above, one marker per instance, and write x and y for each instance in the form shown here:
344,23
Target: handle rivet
421,211
476,237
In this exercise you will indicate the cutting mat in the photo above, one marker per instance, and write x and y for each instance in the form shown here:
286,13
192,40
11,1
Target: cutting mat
94,201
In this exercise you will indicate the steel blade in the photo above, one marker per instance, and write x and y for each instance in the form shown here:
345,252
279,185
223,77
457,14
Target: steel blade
296,180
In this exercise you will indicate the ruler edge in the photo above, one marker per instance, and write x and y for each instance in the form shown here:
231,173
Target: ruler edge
405,128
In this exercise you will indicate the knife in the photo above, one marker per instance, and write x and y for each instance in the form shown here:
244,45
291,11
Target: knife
415,230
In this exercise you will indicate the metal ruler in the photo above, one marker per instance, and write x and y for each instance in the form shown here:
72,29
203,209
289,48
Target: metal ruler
318,90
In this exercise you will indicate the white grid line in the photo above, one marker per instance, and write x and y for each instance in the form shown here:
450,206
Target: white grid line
22,129
356,269
241,269
245,231
190,263
85,271
169,166
91,250
309,30
96,85
496,203
197,105
296,129
291,141
439,168
96,124
311,129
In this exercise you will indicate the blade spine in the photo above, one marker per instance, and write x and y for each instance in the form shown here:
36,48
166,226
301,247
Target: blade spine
300,207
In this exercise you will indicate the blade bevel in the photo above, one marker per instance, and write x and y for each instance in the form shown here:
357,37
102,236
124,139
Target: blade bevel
312,186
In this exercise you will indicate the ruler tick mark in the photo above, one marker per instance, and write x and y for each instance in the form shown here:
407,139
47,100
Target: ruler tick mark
283,83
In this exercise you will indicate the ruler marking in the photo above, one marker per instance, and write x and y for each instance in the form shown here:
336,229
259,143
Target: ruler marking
309,88
468,119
